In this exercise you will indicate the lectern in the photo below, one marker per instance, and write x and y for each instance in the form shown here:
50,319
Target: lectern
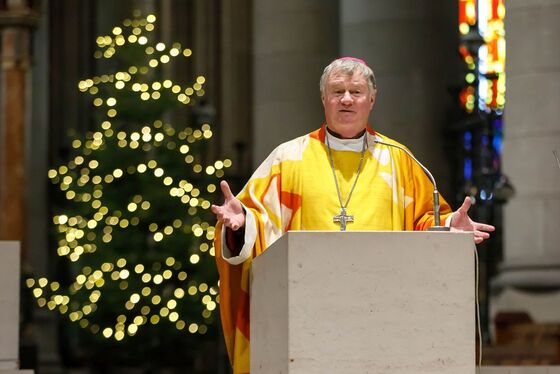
364,302
9,308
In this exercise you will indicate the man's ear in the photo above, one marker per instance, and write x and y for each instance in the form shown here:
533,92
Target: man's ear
373,96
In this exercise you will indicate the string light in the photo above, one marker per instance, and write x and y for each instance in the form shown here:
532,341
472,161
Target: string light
117,158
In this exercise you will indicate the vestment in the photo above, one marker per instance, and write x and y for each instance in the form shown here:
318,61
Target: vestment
294,189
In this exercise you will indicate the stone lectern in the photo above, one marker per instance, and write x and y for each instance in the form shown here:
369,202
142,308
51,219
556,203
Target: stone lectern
364,302
9,308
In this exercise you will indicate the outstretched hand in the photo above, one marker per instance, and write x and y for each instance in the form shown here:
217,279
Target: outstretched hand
230,213
460,221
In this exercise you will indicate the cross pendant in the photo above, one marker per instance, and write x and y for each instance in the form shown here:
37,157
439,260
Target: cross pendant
342,218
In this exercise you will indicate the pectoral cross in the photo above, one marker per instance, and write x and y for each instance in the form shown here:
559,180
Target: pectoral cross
342,218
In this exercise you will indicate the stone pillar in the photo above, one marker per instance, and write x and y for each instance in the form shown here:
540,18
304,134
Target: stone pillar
293,41
16,21
38,327
236,94
532,132
412,48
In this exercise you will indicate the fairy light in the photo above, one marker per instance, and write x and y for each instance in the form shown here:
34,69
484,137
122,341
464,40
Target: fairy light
152,291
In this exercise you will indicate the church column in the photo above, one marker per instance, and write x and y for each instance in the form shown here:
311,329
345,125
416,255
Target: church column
292,42
19,142
412,48
235,71
532,133
16,22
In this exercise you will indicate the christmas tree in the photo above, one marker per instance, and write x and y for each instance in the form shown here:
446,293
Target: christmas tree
133,226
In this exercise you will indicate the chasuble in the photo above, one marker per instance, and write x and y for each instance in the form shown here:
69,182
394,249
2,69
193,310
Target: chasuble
294,189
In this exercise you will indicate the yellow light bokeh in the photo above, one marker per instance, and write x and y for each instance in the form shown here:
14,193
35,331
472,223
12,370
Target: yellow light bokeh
193,328
179,293
80,181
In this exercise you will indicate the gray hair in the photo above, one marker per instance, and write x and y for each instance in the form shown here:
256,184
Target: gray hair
347,66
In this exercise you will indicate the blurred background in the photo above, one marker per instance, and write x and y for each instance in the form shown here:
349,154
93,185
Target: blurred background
118,119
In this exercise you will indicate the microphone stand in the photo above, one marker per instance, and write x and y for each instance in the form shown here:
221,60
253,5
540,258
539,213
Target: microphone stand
437,220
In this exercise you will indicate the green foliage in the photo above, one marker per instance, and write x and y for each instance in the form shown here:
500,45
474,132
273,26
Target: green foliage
133,225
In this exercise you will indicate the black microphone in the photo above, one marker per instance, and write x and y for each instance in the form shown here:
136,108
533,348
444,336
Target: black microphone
437,224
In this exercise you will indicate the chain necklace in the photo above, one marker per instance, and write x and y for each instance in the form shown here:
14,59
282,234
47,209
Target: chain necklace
343,218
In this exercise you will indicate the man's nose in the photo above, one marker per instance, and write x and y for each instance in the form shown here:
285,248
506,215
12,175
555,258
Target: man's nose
346,98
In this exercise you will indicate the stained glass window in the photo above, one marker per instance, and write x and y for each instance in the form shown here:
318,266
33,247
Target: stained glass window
483,49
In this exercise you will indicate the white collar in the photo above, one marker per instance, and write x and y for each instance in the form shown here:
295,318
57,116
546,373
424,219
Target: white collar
338,144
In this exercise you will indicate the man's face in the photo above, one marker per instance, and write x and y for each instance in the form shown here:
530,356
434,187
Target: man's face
347,101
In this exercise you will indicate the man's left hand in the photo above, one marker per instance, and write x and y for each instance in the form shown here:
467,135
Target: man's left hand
460,221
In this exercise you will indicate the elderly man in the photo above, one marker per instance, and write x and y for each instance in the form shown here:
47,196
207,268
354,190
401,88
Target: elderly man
339,177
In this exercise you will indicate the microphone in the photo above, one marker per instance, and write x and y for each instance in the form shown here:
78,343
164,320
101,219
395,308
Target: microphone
437,224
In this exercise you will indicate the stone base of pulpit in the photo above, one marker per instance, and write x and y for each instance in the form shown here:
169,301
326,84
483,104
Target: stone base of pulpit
364,302
9,308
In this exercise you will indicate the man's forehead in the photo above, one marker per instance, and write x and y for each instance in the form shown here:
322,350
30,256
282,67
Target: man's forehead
353,78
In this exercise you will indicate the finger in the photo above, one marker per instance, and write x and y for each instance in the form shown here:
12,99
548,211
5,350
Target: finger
481,234
483,227
464,208
226,190
220,218
478,240
215,209
218,212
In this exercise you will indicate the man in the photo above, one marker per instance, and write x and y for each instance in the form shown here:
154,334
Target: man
335,178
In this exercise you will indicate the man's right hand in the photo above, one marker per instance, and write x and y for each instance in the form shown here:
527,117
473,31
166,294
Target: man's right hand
231,213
